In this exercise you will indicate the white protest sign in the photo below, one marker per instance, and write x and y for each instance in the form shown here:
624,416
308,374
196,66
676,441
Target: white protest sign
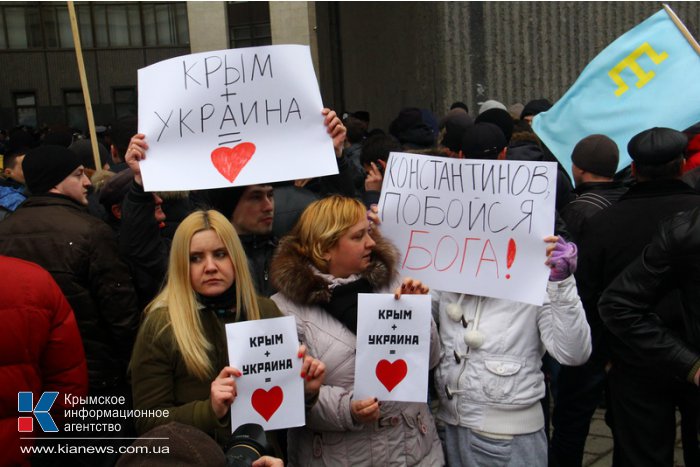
471,226
393,347
231,118
270,390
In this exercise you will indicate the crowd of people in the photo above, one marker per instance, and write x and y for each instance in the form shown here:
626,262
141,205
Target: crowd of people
114,293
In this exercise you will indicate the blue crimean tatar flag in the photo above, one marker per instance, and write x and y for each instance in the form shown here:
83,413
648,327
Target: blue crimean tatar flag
648,77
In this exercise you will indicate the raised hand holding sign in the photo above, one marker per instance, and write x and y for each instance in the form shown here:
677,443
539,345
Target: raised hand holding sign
232,118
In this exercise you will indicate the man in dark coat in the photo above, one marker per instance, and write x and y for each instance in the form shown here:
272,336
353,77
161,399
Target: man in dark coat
54,229
594,163
642,396
251,211
670,261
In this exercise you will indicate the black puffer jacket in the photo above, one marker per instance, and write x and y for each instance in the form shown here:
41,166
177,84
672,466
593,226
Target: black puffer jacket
80,252
259,249
670,262
141,244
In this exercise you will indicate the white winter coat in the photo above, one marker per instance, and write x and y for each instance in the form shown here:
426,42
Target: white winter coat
496,388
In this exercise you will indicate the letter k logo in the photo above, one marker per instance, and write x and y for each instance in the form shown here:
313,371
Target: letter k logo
25,403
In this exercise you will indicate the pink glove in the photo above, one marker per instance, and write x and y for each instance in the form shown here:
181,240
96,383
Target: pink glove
563,260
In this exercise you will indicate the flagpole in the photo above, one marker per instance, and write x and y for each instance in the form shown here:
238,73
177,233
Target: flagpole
684,30
84,85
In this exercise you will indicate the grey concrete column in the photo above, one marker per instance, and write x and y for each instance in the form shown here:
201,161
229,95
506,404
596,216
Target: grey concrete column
295,23
208,23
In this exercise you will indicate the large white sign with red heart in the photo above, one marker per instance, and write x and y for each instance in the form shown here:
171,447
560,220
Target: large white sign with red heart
393,347
271,390
231,118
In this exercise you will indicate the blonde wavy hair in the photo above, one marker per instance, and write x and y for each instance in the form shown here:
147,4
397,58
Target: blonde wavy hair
322,224
178,300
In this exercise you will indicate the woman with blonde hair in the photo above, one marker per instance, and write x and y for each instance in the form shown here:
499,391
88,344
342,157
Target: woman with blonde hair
180,359
330,256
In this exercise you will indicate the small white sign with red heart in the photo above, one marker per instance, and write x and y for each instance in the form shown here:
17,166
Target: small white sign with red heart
393,347
271,390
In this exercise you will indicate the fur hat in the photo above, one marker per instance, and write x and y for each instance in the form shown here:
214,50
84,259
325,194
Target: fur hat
515,110
483,141
657,146
597,154
46,166
534,107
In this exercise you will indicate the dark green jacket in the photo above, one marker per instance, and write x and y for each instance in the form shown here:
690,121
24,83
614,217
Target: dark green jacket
160,380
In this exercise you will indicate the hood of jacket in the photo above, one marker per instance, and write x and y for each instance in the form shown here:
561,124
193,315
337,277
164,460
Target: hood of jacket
293,274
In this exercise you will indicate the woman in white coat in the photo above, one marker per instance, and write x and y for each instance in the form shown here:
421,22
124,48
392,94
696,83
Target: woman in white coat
489,379
330,256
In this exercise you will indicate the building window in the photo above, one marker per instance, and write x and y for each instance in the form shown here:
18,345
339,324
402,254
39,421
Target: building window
101,24
249,24
117,25
125,102
165,24
74,104
3,30
25,108
21,27
84,26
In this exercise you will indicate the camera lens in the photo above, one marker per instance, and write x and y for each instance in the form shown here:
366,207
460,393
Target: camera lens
247,444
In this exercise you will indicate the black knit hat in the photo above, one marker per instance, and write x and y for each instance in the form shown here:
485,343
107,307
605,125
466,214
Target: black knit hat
597,154
483,141
224,200
499,117
657,146
46,166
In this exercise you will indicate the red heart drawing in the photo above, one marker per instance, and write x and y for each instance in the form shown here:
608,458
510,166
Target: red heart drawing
391,374
266,403
230,161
